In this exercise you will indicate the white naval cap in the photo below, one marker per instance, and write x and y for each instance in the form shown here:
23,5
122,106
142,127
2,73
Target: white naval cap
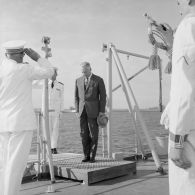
16,46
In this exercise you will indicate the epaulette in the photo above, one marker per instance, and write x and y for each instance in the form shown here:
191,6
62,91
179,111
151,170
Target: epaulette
25,63
61,83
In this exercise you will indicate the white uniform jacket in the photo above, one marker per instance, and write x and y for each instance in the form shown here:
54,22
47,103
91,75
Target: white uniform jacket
16,109
182,95
56,94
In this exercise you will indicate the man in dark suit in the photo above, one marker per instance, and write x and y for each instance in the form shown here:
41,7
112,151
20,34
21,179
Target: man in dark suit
90,102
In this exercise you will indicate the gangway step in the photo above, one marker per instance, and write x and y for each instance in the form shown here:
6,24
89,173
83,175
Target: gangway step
70,166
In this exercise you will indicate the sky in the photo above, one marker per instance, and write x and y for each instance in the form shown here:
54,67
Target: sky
78,29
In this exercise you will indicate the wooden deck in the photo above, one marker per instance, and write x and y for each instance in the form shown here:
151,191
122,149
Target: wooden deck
69,165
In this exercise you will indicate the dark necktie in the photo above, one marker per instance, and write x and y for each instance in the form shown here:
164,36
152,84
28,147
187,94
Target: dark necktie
86,82
52,84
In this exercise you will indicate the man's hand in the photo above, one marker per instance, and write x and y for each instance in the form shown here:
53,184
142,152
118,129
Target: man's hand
32,54
178,157
101,113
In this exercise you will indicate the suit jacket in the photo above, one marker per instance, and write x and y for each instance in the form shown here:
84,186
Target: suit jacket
93,98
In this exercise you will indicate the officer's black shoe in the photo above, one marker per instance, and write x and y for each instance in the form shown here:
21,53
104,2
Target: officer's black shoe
54,151
86,159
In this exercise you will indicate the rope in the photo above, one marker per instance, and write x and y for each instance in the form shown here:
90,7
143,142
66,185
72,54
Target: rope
155,61
168,68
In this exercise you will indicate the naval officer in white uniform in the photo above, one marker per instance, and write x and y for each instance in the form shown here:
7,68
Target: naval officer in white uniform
56,105
16,112
179,115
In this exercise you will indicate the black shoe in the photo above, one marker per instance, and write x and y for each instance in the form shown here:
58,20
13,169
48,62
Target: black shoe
86,159
54,151
92,160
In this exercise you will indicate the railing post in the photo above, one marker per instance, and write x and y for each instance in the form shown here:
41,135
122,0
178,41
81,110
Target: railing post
142,123
109,103
136,139
160,89
45,111
103,142
38,142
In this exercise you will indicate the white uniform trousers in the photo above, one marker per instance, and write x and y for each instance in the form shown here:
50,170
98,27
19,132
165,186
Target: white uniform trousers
14,151
181,181
54,120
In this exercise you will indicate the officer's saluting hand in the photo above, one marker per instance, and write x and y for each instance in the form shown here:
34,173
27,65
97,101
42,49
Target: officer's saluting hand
32,54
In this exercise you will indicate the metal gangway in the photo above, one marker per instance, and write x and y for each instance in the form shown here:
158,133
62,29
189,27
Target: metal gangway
43,138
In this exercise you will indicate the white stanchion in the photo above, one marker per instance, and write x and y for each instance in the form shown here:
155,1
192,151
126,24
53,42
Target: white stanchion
45,111
143,125
131,111
109,105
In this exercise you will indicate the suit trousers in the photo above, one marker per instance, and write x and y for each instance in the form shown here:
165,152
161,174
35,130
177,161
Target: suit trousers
54,120
181,181
89,134
14,151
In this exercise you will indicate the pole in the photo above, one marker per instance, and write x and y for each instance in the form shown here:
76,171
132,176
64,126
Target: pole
131,112
45,110
160,89
38,142
143,125
132,54
136,138
103,142
109,102
105,47
130,78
